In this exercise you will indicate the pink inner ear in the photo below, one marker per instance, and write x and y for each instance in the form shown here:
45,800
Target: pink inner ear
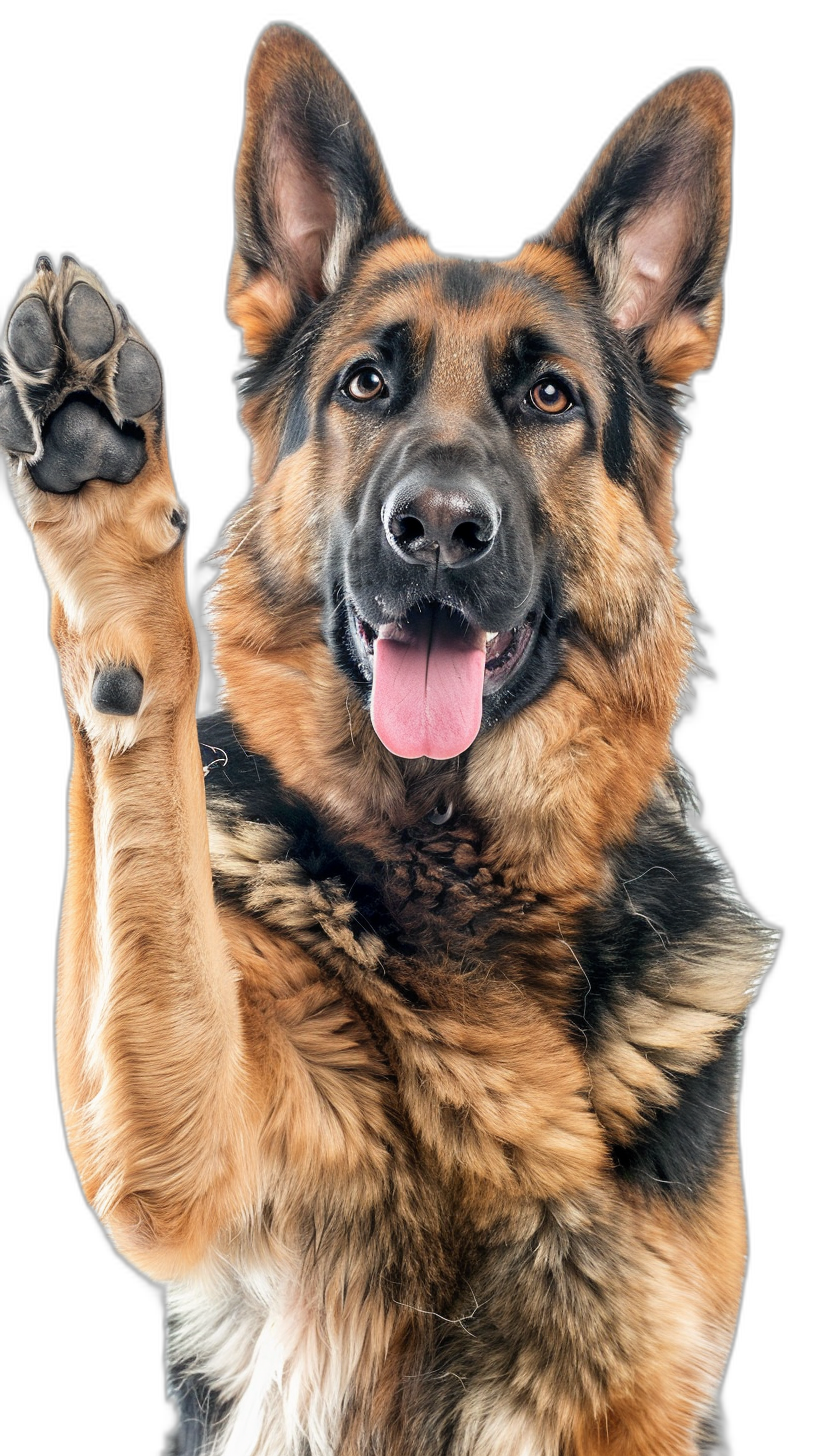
307,217
649,251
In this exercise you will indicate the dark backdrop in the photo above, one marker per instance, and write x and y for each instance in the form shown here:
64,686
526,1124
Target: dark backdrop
120,147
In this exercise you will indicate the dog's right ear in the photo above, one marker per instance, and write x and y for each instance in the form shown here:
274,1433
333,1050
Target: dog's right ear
310,188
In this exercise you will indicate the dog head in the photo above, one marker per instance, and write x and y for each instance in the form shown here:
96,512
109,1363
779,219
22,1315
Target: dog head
460,532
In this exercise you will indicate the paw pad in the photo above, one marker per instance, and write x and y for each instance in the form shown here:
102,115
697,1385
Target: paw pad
31,337
88,322
118,690
16,431
96,391
81,442
138,381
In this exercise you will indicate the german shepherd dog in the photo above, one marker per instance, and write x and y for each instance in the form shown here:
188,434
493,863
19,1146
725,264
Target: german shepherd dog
402,1040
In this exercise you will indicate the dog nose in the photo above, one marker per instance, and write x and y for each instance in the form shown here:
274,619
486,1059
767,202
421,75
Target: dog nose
453,524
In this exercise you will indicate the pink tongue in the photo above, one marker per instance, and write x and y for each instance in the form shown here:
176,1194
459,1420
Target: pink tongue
428,683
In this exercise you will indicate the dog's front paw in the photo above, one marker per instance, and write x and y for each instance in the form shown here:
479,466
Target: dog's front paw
81,392
80,418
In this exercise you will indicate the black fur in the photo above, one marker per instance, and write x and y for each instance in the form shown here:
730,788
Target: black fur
669,891
680,1148
201,1411
245,778
298,421
617,435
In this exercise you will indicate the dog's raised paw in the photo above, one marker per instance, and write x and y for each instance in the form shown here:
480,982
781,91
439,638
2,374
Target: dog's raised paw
80,392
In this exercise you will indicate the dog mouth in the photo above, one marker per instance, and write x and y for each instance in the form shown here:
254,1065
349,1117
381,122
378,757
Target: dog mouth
431,673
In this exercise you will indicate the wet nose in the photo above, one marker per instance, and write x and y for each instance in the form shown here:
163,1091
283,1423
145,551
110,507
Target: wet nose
429,521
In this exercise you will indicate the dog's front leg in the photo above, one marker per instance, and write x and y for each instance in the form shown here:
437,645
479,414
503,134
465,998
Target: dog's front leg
154,1088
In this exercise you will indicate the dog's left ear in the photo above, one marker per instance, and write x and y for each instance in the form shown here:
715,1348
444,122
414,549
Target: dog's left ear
310,189
650,223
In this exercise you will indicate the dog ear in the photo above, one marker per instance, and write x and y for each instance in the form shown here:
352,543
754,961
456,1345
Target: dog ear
650,222
310,189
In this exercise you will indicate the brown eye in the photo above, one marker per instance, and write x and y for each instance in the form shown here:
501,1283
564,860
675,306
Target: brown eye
366,384
550,396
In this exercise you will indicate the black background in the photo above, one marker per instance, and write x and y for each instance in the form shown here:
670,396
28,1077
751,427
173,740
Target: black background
120,149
